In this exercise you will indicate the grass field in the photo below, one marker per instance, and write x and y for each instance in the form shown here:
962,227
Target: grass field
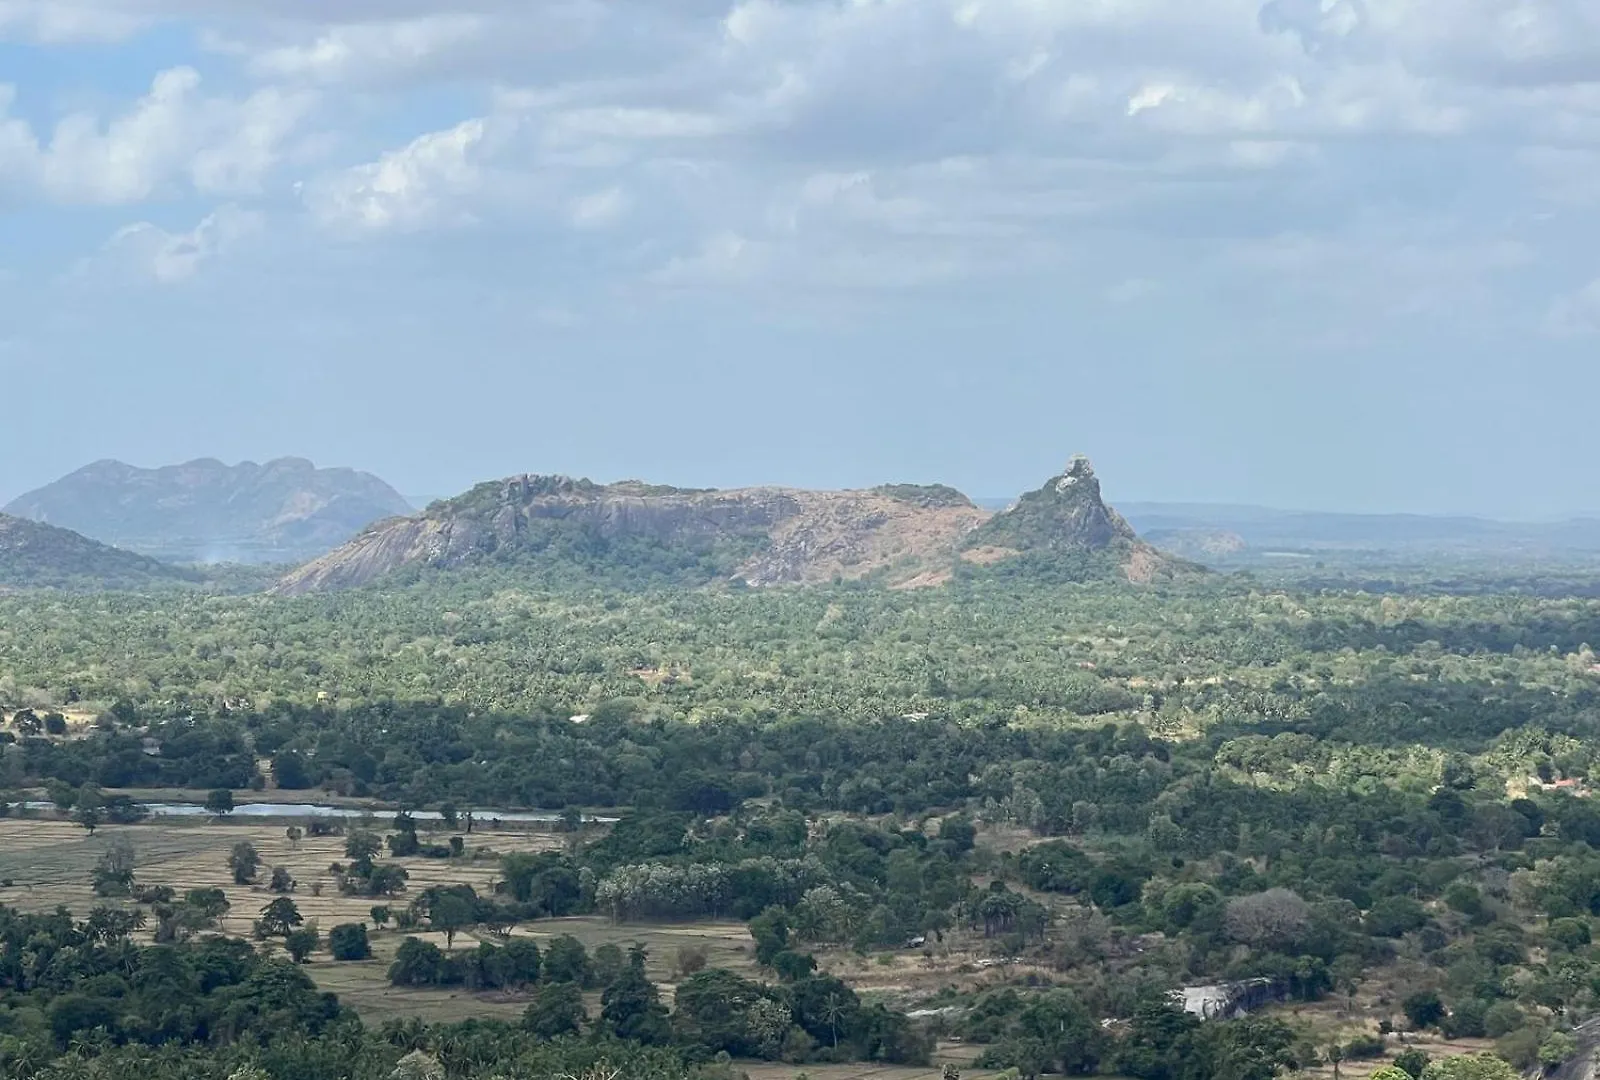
48,863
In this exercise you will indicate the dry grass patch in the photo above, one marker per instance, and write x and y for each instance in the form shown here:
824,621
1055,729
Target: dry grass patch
49,862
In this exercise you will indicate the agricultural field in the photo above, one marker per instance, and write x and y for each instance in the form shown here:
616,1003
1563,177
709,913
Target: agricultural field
48,863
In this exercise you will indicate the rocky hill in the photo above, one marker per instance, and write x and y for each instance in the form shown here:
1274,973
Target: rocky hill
1066,530
557,528
284,511
642,532
33,555
904,535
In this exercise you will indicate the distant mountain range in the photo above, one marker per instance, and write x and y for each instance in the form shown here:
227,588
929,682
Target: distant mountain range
33,555
285,511
902,535
1226,533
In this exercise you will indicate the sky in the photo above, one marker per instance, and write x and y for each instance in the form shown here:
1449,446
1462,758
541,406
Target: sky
1338,254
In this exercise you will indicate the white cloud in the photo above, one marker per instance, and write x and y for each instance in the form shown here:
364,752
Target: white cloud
173,135
367,50
60,21
724,259
874,143
422,184
635,123
144,252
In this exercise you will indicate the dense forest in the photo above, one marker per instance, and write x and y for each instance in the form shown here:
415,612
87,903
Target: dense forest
1352,797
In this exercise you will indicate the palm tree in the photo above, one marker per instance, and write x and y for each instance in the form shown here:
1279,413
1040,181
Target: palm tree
833,1010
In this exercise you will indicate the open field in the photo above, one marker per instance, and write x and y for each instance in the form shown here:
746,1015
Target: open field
365,985
48,863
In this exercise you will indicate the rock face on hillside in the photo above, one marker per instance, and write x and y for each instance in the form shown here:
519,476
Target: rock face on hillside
284,511
1066,527
903,535
33,555
761,536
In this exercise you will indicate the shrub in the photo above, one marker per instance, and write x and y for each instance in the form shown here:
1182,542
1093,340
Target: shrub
348,941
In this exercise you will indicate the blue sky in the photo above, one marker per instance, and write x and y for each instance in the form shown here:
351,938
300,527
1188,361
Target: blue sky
1319,253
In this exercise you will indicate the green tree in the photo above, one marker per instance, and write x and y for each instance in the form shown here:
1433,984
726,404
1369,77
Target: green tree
451,912
1423,1009
362,846
416,963
771,932
279,918
219,801
348,941
113,873
607,963
711,1009
1470,1067
1557,1047
302,943
631,1006
556,1010
1411,1061
90,816
244,861
204,907
566,960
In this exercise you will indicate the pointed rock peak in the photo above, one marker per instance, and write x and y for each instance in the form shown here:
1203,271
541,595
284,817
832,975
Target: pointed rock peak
1079,471
1066,513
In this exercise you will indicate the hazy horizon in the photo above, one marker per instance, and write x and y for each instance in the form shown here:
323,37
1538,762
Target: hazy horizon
992,499
1289,253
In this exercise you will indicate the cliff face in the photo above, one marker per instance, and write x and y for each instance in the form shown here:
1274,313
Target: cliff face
762,536
203,511
903,535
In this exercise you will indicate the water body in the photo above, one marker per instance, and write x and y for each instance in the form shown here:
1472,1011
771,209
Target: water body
343,813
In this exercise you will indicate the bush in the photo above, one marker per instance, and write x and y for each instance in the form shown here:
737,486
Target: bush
348,941
1521,1047
691,959
1365,1047
556,1010
1466,1020
1502,1018
1395,916
302,943
1423,1009
1569,933
1412,1062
